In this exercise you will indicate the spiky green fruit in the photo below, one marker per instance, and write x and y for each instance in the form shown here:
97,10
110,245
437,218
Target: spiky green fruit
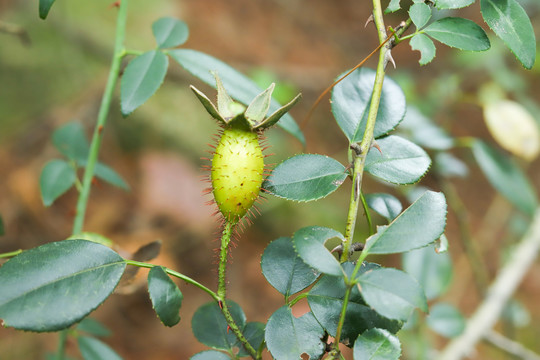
237,165
237,172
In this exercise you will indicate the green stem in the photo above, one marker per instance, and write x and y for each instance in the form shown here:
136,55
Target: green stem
84,188
223,258
11,254
359,158
222,288
102,117
61,345
175,274
368,216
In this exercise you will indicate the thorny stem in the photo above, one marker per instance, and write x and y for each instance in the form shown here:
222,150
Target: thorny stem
359,157
102,117
222,288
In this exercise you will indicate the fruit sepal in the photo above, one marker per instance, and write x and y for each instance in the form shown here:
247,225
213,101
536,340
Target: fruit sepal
229,112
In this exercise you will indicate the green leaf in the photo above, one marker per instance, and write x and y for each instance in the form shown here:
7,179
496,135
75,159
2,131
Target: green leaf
420,14
93,327
393,6
287,337
169,32
351,99
426,47
254,333
142,77
424,132
108,174
55,285
506,177
460,33
326,302
238,86
56,178
71,141
392,293
452,4
309,243
448,165
306,177
377,344
94,349
45,7
165,295
399,161
386,205
210,355
445,320
284,269
510,22
432,270
210,327
419,225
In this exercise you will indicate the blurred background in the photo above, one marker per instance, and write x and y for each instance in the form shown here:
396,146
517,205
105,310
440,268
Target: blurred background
54,72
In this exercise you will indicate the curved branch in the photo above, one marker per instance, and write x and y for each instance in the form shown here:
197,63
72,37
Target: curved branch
502,288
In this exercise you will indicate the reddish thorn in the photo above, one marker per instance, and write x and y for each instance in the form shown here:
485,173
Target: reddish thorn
220,303
100,129
115,4
377,147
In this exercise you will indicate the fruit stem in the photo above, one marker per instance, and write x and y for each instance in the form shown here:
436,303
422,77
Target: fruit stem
222,288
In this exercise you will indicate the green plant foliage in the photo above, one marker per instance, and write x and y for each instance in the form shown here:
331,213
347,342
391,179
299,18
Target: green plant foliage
170,32
420,14
392,293
210,355
399,161
448,165
55,285
459,33
446,320
510,22
426,47
238,86
452,4
142,77
45,7
93,327
71,141
306,177
326,302
432,270
506,176
377,344
309,243
107,174
393,6
254,333
210,327
165,295
94,349
386,205
424,132
287,337
351,99
284,269
56,178
419,225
